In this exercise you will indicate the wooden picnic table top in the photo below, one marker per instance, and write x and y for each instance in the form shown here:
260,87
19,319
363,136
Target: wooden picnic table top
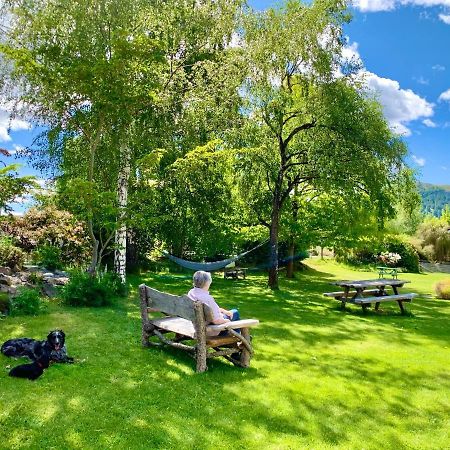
363,284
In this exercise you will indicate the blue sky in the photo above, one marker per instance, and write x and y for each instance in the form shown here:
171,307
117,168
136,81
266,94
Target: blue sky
404,47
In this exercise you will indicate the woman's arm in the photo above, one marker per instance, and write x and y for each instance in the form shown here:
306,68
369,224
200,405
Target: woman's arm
219,321
226,312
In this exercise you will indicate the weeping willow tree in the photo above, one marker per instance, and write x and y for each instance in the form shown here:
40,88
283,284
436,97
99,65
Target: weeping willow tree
312,130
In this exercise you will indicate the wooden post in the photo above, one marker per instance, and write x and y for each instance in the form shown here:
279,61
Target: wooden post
146,325
245,354
200,335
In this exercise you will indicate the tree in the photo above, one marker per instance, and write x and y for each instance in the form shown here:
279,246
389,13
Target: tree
13,186
312,128
113,78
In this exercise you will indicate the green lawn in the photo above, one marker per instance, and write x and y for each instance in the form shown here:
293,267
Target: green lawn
321,378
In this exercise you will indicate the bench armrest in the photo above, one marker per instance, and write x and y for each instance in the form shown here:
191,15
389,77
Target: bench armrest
245,323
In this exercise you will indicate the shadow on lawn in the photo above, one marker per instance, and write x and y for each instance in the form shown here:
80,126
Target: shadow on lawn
130,397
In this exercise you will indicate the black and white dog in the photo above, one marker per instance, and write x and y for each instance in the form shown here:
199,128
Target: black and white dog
33,370
54,348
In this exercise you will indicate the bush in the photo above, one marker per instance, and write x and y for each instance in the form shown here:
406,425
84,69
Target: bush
10,255
409,256
50,226
442,289
26,302
49,256
83,289
4,303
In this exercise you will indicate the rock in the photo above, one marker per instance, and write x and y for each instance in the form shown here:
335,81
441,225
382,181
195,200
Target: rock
62,281
48,275
6,280
5,271
50,290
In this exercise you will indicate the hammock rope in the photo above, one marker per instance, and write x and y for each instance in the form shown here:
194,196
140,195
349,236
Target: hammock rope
208,266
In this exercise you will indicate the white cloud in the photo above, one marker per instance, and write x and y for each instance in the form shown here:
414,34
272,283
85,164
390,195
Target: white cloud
400,106
419,161
438,67
6,124
389,5
374,5
422,80
429,123
445,18
445,96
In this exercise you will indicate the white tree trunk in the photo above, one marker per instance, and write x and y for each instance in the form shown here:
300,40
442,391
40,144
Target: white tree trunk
120,253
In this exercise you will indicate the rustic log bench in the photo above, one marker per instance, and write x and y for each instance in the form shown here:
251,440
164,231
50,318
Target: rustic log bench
187,320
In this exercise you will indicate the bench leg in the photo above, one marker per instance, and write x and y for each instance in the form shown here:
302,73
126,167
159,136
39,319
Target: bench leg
402,308
245,354
377,305
200,356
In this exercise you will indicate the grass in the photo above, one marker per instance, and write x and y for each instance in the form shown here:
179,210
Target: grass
321,378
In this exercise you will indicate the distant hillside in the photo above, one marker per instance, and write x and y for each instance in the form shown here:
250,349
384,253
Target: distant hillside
434,197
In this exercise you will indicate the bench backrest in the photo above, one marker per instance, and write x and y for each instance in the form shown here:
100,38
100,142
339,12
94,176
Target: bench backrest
173,305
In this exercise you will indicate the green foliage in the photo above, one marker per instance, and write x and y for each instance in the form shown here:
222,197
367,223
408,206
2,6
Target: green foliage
84,289
10,255
369,250
4,303
433,238
11,185
434,198
442,289
52,227
409,255
27,301
49,256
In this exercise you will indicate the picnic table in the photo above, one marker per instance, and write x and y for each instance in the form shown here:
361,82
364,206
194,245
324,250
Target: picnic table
235,273
366,292
383,270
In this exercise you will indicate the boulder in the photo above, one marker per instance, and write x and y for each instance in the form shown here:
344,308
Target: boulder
5,270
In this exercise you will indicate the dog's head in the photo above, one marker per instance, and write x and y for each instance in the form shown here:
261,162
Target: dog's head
56,339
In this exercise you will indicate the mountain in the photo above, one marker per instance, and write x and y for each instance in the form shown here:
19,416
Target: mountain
434,197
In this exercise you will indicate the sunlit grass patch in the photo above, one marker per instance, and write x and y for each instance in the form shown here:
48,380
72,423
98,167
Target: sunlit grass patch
321,378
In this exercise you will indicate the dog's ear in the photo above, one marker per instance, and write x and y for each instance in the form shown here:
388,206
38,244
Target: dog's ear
62,334
50,335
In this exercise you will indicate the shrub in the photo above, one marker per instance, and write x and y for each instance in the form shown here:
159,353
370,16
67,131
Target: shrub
442,289
409,256
49,256
4,303
434,239
10,255
83,289
389,259
50,226
27,301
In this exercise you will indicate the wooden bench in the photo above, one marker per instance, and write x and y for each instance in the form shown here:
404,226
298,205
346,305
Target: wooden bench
399,298
187,320
235,273
392,271
340,295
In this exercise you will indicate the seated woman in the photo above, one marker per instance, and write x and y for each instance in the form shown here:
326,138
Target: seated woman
200,292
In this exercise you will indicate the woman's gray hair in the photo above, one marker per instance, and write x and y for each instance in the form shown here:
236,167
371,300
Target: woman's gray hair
200,278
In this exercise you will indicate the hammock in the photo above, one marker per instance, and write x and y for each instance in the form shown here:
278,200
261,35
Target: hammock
208,266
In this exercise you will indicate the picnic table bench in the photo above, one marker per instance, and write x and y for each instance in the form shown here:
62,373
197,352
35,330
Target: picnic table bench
383,270
235,272
366,292
186,321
